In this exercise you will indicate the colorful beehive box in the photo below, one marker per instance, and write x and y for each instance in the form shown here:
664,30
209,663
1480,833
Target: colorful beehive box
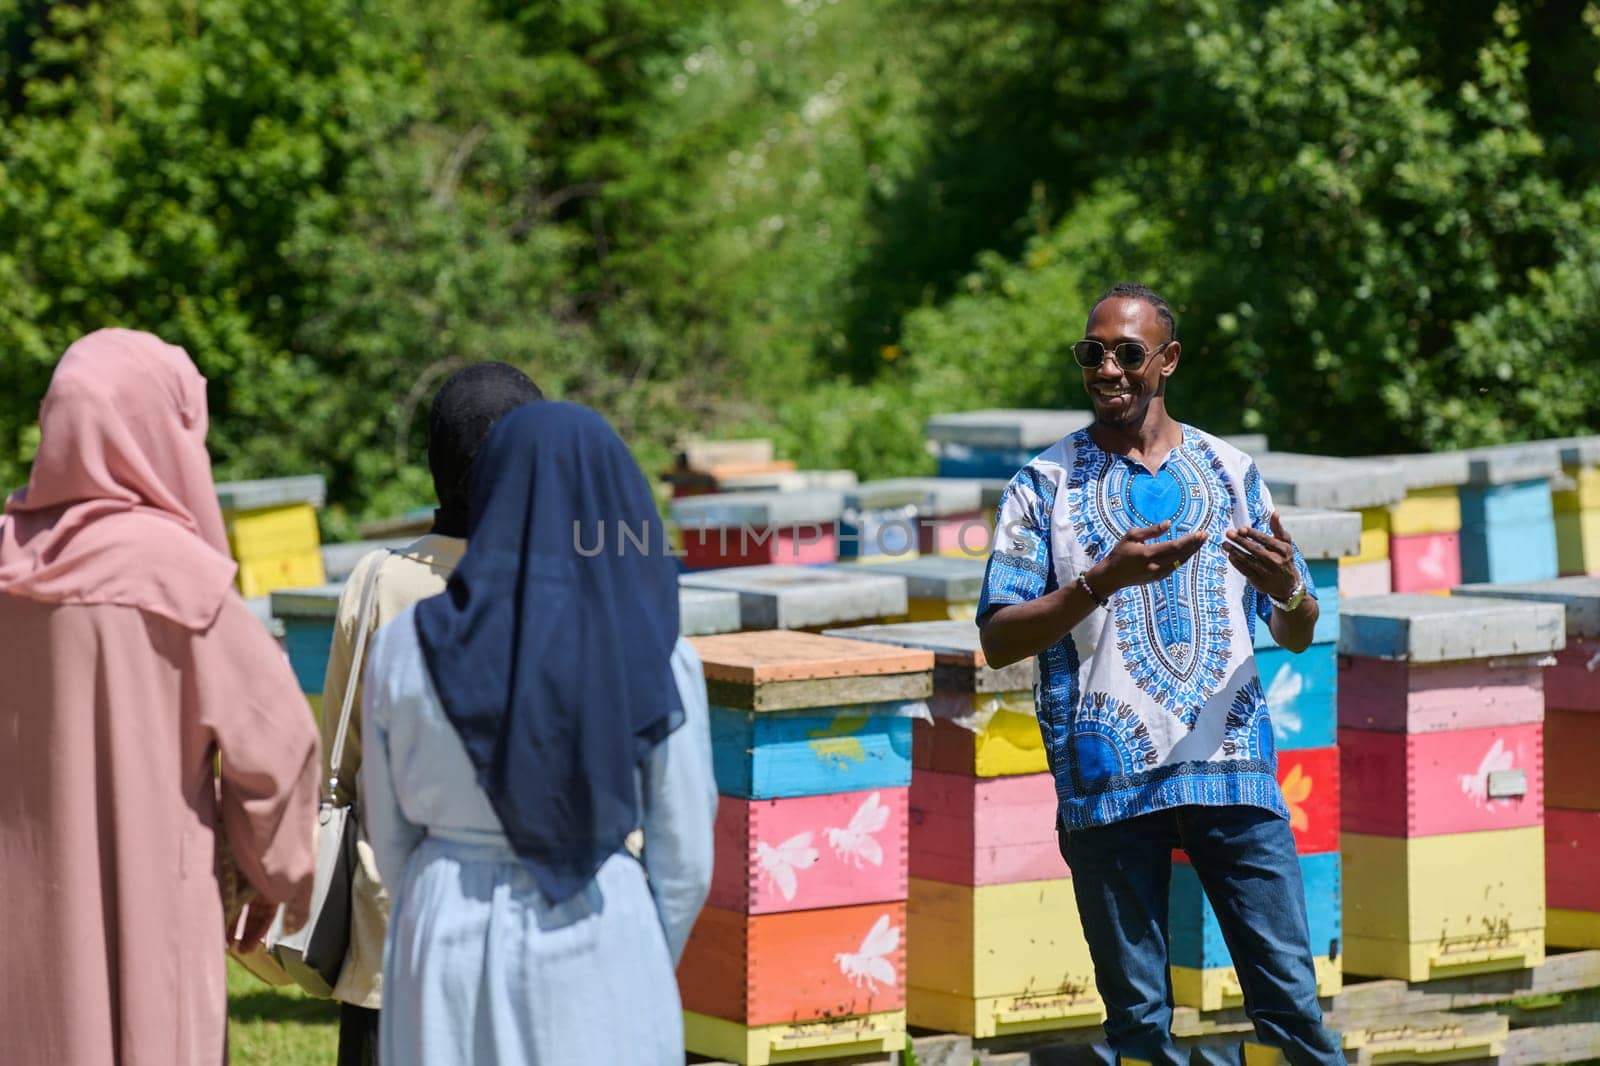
1577,506
757,528
704,612
307,617
801,597
1300,687
939,588
790,481
1572,888
701,465
997,443
992,960
969,830
1311,782
1419,908
1508,529
1203,975
1573,682
1442,752
984,723
801,949
272,532
1451,781
950,519
879,522
1425,527
1365,485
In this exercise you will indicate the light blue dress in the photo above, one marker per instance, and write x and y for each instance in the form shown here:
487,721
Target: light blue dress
479,967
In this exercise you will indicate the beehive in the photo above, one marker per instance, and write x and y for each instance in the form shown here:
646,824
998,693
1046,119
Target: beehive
1507,524
802,597
1425,527
1577,507
938,588
997,443
1365,485
758,528
272,532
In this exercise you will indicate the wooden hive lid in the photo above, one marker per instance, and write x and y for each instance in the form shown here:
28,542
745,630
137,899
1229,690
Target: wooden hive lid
773,655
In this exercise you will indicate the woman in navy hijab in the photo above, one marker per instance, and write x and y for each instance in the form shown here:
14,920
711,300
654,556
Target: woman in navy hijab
519,726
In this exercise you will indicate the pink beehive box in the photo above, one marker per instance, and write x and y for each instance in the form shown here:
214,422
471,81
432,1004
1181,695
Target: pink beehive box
969,830
1455,781
807,852
1402,697
1425,562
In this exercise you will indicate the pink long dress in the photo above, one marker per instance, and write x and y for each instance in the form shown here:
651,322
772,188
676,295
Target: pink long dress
128,665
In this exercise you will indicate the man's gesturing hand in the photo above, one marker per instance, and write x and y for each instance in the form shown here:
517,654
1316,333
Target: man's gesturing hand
1267,562
1134,561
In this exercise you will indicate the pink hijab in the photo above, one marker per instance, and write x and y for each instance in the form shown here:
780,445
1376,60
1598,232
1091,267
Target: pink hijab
120,507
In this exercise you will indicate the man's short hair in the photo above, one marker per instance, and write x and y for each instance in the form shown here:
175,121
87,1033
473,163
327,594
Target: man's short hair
1133,290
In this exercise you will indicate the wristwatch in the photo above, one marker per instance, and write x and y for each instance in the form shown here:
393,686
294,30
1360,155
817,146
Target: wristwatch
1297,596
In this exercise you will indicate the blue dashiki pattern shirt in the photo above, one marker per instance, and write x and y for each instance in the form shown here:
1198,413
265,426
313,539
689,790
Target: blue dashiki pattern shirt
1153,702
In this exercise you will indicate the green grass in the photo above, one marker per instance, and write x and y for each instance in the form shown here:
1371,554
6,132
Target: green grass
270,1026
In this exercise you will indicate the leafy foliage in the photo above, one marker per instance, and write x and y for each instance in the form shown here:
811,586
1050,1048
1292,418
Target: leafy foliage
817,220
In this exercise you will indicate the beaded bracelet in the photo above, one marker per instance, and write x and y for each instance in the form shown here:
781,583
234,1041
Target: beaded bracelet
1083,583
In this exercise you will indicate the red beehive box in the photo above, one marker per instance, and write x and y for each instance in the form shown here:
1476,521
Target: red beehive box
1310,779
1573,683
1572,773
810,851
1456,781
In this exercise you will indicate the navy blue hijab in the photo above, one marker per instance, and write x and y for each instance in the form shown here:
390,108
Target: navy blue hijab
554,664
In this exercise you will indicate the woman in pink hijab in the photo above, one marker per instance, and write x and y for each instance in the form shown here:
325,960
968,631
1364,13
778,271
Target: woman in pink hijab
128,665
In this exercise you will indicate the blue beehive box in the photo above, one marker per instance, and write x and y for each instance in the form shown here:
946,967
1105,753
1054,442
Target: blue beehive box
996,443
797,714
307,617
1508,531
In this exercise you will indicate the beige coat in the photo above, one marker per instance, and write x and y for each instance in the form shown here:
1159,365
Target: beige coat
416,572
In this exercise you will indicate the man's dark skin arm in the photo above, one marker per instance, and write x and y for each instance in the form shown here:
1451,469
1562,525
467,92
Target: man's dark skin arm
1020,630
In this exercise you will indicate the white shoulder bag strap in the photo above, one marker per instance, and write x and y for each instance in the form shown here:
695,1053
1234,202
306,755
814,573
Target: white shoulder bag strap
353,677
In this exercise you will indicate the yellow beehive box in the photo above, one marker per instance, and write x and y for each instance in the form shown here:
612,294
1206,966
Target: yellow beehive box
272,531
993,960
262,576
1572,929
1374,536
1578,541
1584,494
1217,988
941,610
1446,905
761,1045
1425,511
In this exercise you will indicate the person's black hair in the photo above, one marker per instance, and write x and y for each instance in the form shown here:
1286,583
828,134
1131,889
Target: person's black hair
1133,290
463,412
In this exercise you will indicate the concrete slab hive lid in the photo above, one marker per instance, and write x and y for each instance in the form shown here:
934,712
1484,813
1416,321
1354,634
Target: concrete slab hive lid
314,604
1503,464
954,644
933,496
1323,534
789,481
1428,629
802,597
273,492
1249,443
1007,428
339,560
769,657
949,578
702,612
883,495
1332,484
758,510
1432,470
1579,596
1579,451
706,454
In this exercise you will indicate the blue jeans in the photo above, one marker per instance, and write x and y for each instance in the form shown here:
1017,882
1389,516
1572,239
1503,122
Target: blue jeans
1245,859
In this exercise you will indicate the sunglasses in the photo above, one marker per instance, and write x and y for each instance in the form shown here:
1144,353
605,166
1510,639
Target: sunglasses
1091,355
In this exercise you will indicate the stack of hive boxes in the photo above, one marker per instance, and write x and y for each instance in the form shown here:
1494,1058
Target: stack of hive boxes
1441,705
939,588
997,443
1572,754
879,521
754,528
1508,531
947,513
707,465
272,532
1369,486
800,597
1577,507
995,946
800,951
1425,528
1301,700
